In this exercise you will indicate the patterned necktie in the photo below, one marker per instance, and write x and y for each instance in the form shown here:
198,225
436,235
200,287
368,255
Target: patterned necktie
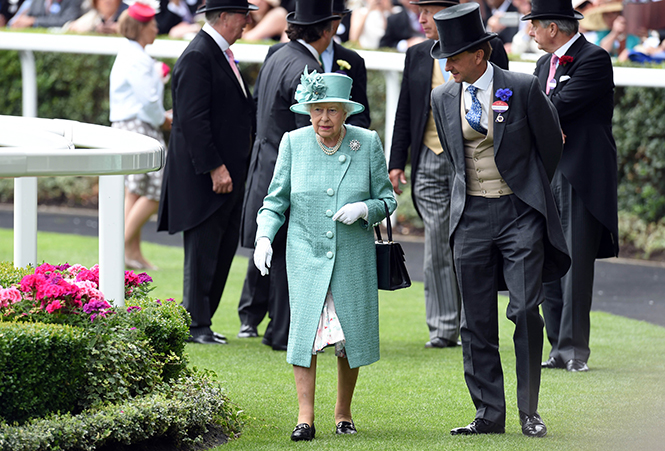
476,110
550,77
232,62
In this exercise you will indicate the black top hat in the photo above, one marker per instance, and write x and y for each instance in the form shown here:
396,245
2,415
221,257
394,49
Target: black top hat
552,9
311,12
213,5
460,28
339,7
436,2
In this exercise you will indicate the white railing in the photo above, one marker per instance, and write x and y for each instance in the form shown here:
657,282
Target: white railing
31,147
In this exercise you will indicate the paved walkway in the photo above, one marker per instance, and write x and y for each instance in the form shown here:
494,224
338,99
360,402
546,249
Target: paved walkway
630,288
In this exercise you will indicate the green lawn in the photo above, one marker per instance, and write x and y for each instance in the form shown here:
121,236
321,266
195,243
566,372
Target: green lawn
413,396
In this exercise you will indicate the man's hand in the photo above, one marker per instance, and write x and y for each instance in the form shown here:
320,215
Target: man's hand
396,177
221,180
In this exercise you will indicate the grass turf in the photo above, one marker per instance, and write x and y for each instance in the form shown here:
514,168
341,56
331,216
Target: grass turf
413,396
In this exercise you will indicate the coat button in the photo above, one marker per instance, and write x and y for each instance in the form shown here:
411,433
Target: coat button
329,234
329,213
342,158
329,254
330,191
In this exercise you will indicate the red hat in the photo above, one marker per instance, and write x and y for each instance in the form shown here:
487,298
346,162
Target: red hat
141,12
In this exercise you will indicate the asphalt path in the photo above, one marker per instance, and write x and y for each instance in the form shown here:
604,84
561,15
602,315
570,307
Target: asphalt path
630,288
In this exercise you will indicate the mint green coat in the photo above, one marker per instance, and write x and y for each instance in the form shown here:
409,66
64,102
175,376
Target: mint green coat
321,252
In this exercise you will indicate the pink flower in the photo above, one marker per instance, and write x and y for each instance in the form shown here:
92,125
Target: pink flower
131,279
133,308
10,295
45,269
53,306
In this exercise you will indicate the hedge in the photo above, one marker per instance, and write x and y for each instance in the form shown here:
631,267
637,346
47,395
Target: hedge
42,369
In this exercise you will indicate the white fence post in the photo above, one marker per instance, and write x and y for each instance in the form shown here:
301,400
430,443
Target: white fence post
25,189
112,238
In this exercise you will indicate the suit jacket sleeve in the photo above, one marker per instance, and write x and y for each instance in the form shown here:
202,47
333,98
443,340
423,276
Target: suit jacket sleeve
591,80
545,128
194,102
399,151
358,73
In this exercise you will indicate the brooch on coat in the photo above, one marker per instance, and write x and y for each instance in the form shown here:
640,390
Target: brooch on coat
501,105
354,144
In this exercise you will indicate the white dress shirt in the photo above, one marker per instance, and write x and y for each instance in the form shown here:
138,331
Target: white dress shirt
136,88
484,94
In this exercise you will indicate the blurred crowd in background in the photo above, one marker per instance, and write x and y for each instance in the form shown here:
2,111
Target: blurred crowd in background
628,30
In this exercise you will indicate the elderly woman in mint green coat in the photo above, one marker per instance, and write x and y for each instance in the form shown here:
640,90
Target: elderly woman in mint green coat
334,180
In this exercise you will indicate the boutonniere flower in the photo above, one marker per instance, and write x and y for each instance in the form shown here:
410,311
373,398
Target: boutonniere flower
501,105
311,87
565,59
503,94
343,64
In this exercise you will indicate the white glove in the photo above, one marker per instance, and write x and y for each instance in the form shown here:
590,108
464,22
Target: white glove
350,213
263,255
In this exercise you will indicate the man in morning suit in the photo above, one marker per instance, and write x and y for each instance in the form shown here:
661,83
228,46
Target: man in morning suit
253,304
578,79
430,172
503,139
310,29
204,177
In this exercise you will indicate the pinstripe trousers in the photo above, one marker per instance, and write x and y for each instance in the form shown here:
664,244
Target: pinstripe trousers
431,192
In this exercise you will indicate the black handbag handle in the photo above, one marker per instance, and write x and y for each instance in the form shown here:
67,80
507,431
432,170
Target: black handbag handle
389,227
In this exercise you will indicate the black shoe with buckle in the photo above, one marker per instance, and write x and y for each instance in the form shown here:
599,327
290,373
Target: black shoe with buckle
303,431
346,427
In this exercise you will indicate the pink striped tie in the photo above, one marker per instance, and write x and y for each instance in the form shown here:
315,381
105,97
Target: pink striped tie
232,62
550,77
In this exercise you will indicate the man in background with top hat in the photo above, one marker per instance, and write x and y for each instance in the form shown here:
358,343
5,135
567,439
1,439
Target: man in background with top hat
206,166
254,300
503,139
578,78
430,172
310,30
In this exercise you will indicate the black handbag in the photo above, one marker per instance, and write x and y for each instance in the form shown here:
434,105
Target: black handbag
390,267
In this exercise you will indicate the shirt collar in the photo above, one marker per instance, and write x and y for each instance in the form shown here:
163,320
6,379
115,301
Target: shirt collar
312,50
484,82
218,38
564,48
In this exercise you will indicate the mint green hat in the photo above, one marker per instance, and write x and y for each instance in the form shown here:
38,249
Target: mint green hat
324,88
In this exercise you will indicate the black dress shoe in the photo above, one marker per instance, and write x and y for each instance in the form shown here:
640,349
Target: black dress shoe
219,336
532,425
552,363
303,431
247,331
438,342
346,427
206,339
575,365
479,426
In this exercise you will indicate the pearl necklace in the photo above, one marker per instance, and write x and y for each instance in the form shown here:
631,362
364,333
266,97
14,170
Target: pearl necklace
331,150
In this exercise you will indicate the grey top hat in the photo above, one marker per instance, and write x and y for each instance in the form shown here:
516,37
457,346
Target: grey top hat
460,28
214,5
311,12
552,9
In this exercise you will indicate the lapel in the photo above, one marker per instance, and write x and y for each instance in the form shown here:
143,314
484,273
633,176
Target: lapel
564,70
499,82
222,62
451,102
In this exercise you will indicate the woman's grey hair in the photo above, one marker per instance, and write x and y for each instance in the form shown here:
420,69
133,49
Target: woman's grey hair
566,26
346,106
